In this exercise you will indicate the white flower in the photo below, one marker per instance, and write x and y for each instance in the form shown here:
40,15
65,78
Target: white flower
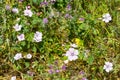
21,37
17,27
28,56
13,78
18,56
28,12
66,61
15,10
108,66
37,36
106,18
72,54
74,45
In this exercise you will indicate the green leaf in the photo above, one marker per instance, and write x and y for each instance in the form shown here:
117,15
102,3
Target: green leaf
1,41
34,49
27,64
83,26
90,59
23,43
27,77
30,37
81,55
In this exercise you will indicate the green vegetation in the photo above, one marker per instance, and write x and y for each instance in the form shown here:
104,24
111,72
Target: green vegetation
38,37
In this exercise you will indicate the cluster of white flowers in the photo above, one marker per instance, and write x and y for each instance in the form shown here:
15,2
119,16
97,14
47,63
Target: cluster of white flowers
28,12
17,27
37,37
19,56
108,66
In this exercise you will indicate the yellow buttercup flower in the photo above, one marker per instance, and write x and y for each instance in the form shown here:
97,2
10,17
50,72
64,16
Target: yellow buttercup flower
79,42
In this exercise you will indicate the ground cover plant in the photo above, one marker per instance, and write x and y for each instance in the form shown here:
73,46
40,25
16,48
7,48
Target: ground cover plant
59,39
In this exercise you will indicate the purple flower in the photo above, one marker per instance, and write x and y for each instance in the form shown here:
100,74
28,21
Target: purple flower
84,78
30,73
50,71
7,7
63,67
57,71
45,20
52,1
50,66
68,16
20,0
81,72
68,7
45,3
56,62
81,19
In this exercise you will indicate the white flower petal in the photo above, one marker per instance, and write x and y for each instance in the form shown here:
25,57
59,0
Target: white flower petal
66,61
106,21
13,78
104,67
75,57
73,45
70,58
71,50
107,15
67,53
76,52
17,27
107,70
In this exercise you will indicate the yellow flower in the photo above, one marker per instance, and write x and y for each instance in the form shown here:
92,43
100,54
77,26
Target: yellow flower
79,42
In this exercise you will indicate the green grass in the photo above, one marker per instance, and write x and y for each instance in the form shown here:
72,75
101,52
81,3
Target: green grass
98,42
